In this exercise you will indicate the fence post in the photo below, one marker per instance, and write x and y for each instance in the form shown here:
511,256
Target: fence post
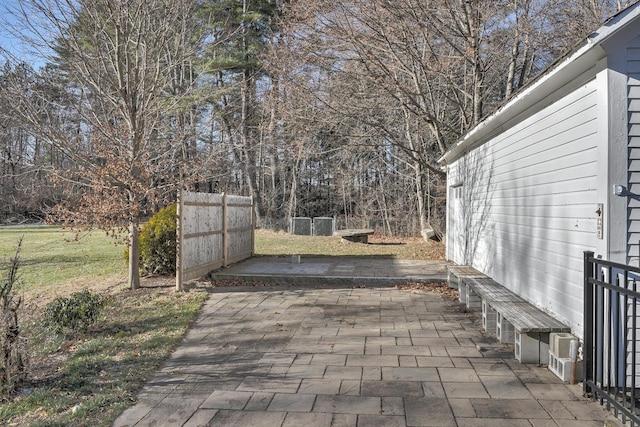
253,226
225,213
179,240
588,268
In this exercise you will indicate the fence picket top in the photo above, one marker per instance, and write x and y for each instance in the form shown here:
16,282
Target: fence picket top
190,197
239,200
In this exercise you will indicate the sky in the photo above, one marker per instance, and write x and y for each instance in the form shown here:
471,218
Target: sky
11,43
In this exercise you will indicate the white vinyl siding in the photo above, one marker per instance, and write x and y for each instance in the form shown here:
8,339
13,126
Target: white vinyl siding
633,210
530,204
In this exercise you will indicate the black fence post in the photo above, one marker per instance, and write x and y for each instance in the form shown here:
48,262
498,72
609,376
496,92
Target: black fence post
588,321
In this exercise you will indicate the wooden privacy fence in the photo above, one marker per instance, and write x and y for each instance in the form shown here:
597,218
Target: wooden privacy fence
214,230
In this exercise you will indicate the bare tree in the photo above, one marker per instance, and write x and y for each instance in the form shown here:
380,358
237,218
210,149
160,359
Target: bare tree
119,60
415,75
357,102
394,71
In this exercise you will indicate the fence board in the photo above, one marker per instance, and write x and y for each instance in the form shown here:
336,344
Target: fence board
239,222
214,230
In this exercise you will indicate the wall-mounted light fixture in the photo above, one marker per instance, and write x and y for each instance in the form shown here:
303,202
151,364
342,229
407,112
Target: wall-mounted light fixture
618,190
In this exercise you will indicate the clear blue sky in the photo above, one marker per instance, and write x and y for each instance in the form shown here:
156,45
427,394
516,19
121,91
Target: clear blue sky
8,41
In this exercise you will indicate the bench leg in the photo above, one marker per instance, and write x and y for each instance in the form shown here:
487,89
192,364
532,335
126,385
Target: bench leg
454,282
532,348
473,300
489,317
504,330
462,292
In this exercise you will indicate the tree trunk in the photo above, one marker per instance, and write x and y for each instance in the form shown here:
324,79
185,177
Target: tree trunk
515,50
247,90
134,255
420,196
247,145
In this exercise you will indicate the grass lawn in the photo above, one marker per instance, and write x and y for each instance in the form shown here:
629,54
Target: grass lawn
52,256
280,243
89,379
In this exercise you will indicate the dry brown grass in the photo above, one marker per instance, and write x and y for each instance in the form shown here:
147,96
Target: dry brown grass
282,244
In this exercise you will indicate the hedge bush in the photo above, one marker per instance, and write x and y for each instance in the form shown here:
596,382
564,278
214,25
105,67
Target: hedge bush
74,313
158,243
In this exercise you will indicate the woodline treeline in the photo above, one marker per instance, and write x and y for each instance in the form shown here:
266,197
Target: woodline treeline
314,108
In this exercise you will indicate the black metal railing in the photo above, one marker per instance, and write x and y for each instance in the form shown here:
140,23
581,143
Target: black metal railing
610,352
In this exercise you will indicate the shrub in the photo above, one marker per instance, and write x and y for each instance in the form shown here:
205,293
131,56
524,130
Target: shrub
74,313
158,243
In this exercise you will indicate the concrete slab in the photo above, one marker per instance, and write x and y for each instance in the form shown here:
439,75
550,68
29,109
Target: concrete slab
347,404
297,419
391,388
292,402
332,271
381,421
509,408
428,411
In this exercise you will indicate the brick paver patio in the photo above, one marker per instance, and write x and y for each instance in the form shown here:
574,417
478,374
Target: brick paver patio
350,357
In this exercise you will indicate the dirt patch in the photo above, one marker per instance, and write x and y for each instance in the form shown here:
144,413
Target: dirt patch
437,287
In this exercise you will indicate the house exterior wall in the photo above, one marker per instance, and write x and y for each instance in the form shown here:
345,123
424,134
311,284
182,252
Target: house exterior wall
529,200
632,61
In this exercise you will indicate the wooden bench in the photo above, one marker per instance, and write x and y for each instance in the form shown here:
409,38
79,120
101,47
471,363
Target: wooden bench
455,274
354,235
514,320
